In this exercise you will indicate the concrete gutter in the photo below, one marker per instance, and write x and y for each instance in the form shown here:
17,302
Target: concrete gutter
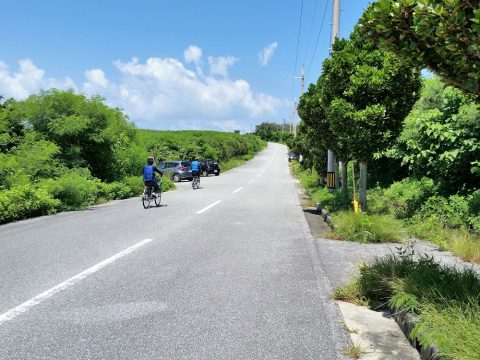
376,334
406,321
370,322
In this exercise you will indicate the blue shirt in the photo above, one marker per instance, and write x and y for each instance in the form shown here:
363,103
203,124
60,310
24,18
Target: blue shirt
195,166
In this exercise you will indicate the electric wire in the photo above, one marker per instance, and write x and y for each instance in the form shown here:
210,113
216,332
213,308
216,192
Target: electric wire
298,44
315,9
318,37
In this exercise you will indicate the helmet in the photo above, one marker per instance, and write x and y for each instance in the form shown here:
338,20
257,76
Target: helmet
150,160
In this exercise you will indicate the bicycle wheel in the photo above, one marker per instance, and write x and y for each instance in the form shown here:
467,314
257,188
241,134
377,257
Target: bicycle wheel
158,198
146,199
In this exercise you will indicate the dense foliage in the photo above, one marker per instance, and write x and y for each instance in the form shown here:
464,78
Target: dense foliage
60,151
280,133
442,36
186,144
441,138
359,102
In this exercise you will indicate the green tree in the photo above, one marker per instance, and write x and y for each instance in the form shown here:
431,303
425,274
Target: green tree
442,36
441,138
88,132
11,127
360,101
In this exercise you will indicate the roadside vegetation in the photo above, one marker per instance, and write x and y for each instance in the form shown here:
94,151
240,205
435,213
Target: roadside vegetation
279,133
62,151
421,141
419,137
444,300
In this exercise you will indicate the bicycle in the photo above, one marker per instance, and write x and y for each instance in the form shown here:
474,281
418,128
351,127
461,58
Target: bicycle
149,195
196,182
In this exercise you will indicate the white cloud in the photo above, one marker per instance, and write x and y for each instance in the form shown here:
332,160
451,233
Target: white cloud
219,65
162,93
28,79
97,77
192,54
267,53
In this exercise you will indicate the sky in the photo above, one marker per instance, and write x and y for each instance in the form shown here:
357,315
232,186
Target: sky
172,65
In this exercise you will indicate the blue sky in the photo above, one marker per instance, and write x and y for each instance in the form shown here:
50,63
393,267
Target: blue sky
189,64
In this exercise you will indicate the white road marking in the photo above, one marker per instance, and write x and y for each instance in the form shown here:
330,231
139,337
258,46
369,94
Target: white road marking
259,175
251,181
209,207
27,305
239,189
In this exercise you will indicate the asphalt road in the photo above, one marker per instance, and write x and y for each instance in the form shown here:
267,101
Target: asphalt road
228,271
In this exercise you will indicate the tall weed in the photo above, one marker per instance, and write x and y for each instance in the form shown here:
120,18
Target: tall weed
365,228
454,329
446,300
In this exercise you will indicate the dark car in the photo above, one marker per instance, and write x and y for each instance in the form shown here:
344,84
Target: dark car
210,167
177,170
292,156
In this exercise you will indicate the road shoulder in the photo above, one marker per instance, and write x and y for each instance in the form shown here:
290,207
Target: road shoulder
375,334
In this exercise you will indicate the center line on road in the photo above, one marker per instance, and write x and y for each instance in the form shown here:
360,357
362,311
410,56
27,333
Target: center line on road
235,191
209,207
251,181
27,305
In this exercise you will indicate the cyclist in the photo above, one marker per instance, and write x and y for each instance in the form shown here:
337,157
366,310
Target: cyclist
196,169
149,177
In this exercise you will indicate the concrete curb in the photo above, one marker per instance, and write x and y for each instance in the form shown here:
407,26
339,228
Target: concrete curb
325,215
406,321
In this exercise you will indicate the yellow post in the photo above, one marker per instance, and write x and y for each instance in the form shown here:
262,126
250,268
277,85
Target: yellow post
356,206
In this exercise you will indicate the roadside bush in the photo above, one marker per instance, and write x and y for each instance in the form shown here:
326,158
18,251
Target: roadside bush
135,183
407,196
452,212
114,190
167,184
75,189
365,228
331,200
474,211
25,201
377,204
309,179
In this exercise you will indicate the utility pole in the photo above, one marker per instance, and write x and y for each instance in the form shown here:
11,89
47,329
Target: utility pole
332,174
302,90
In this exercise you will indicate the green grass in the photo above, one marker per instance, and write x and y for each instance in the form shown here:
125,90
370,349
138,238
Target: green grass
309,179
353,351
351,293
454,329
365,228
459,241
234,162
446,300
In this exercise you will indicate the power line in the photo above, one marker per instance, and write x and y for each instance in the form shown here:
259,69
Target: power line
318,37
298,44
311,27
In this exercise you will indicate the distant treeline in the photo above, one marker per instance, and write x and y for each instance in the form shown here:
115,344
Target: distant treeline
60,151
280,133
